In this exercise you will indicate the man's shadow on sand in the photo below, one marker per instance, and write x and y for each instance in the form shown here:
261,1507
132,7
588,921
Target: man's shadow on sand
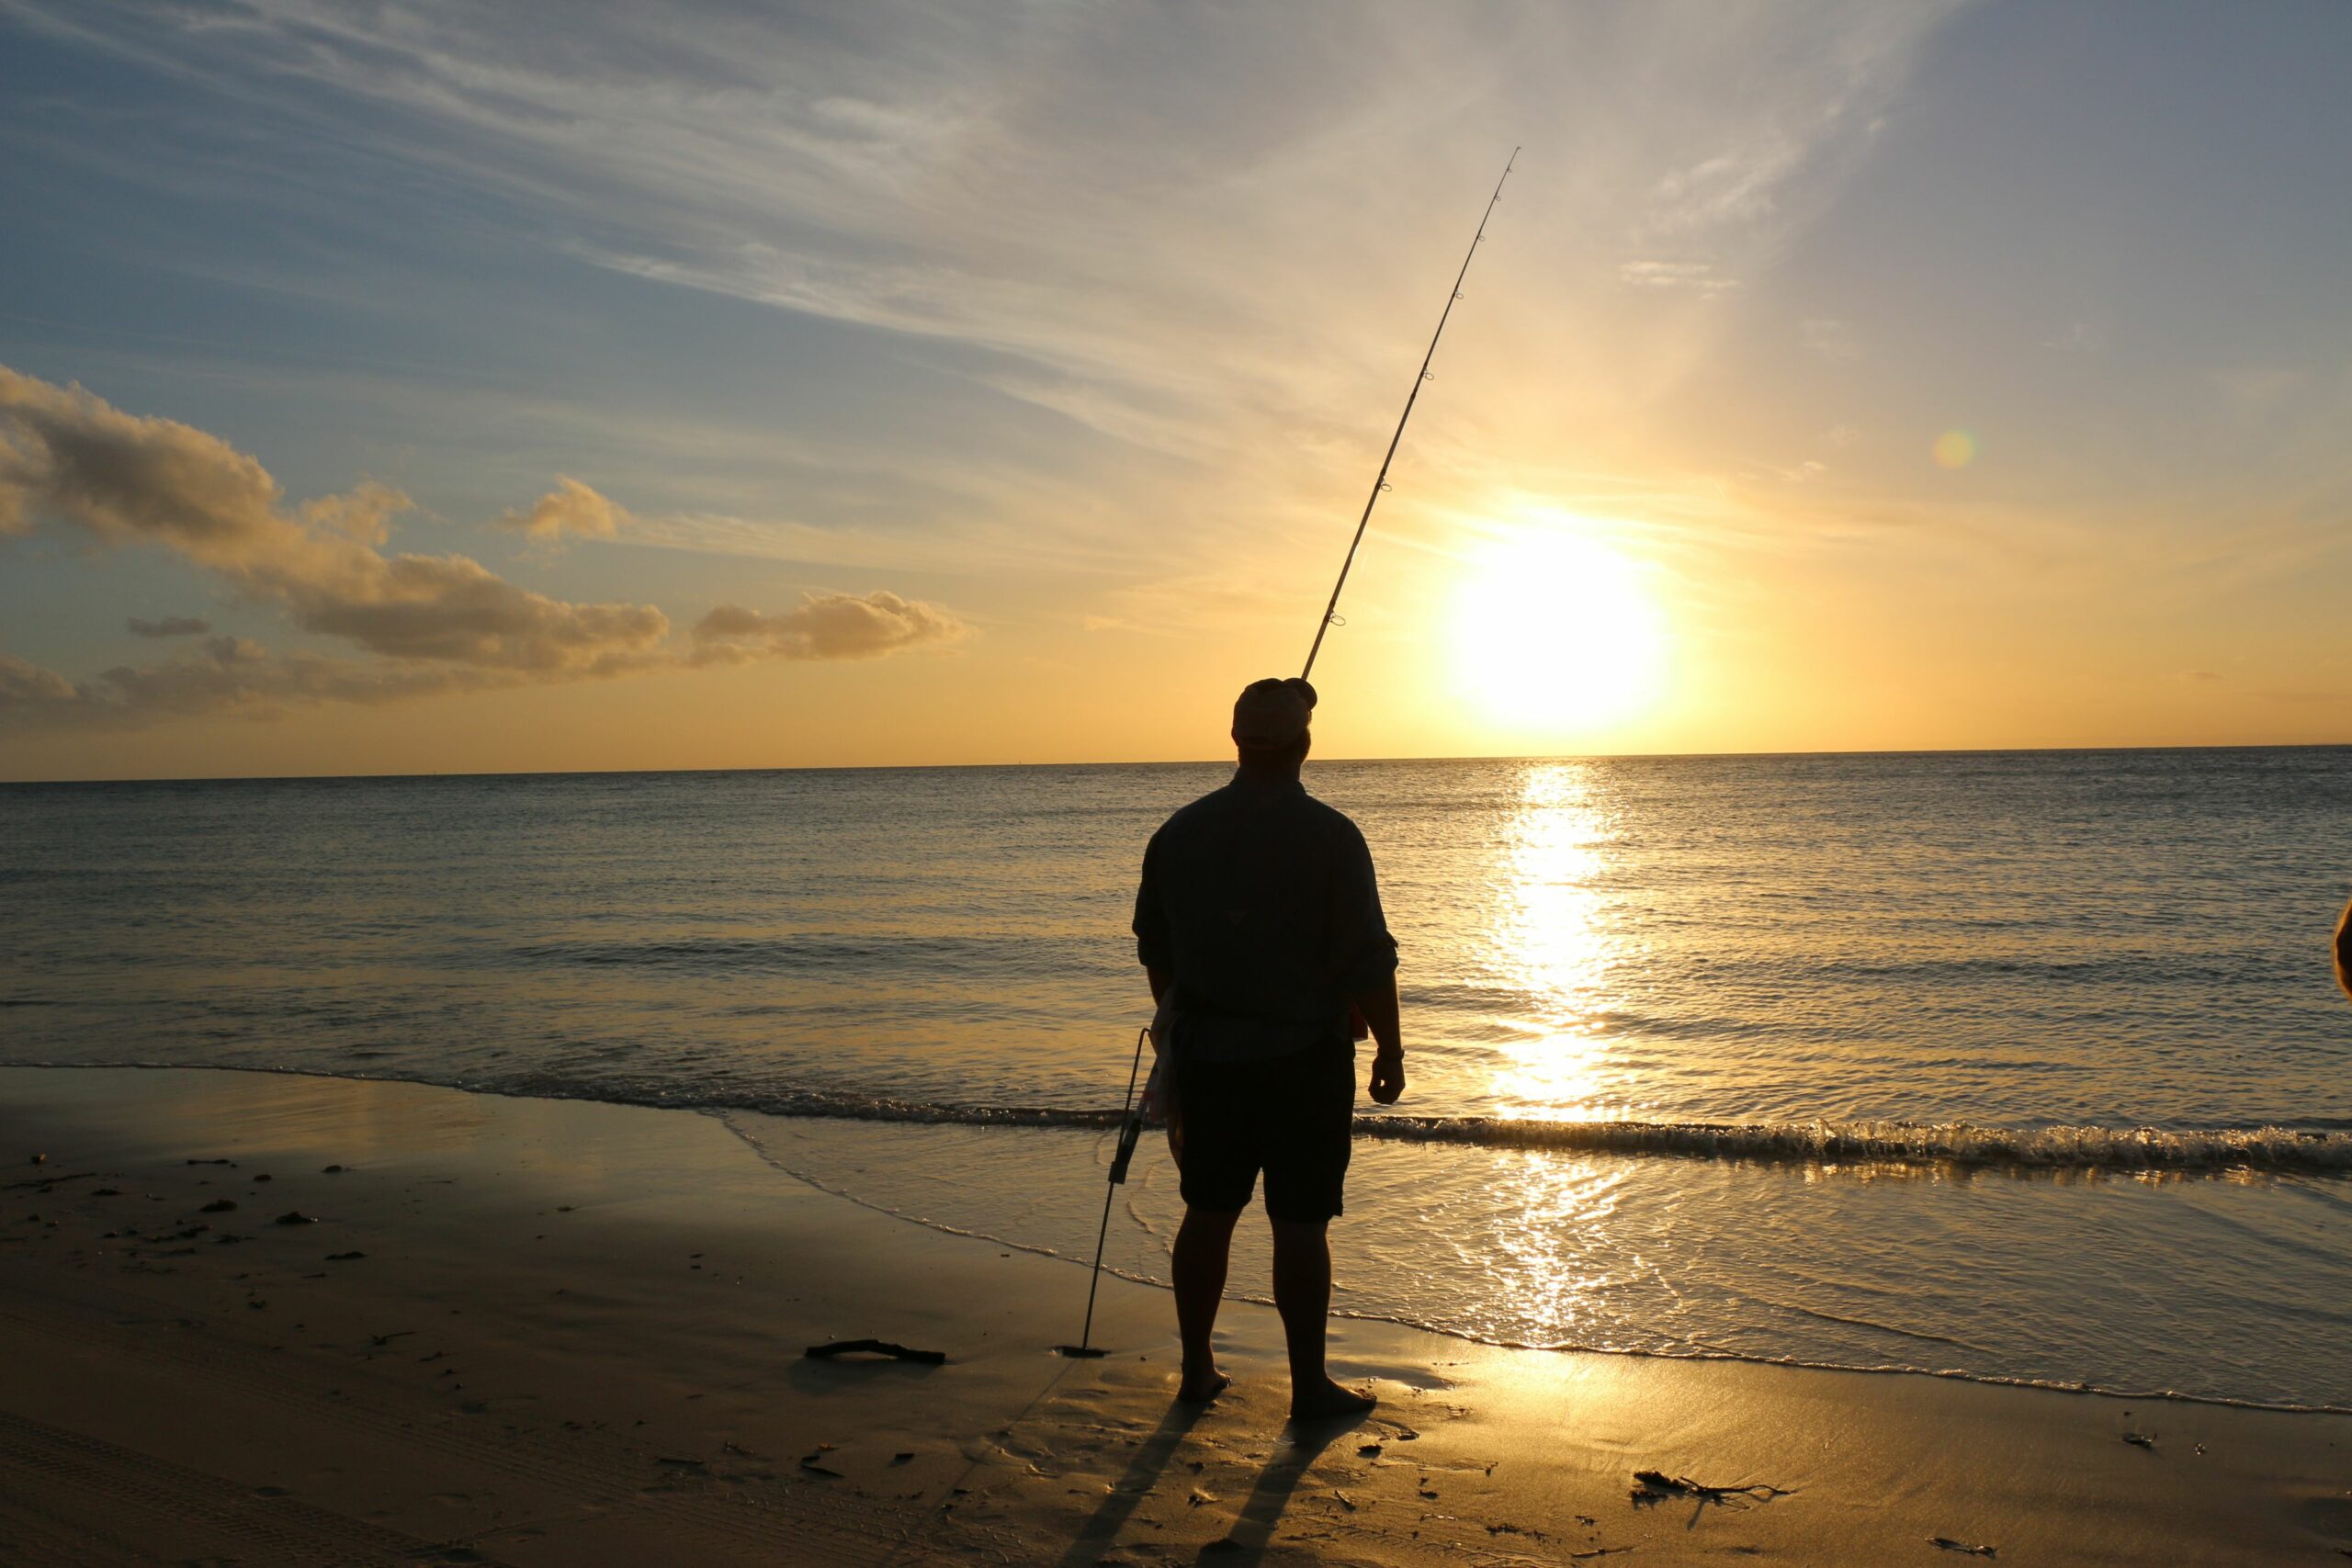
1301,1444
1242,1546
1141,1479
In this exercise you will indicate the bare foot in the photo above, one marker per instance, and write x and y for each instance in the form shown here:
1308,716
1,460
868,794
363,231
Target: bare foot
1199,1388
1330,1401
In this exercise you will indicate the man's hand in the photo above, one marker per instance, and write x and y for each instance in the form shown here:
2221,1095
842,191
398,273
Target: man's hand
1176,1132
1377,1008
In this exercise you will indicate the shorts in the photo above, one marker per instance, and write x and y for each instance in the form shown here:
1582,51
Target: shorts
1290,1117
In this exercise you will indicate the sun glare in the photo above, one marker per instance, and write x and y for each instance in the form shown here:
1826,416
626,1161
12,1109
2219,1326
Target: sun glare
1557,631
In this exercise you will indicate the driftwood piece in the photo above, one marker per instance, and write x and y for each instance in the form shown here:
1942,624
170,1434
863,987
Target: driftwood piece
832,1348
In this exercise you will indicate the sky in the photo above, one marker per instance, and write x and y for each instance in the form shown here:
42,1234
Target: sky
411,388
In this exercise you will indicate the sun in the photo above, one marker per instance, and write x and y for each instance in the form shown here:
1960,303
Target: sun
1556,632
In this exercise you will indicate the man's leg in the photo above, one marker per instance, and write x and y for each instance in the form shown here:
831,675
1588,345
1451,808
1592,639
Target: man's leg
1303,1296
1203,1244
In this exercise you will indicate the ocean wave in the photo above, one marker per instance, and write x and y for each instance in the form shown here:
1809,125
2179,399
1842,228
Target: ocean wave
857,956
1810,1143
1837,1143
1775,1143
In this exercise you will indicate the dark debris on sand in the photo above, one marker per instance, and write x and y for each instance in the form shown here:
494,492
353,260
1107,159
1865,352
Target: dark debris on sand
1652,1486
834,1348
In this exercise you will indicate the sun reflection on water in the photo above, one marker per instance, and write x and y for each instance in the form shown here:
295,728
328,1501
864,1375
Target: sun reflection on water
1546,1259
1554,945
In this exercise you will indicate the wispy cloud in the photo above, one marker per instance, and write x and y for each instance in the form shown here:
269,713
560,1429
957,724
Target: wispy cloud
1698,277
1159,224
170,626
2258,387
1829,337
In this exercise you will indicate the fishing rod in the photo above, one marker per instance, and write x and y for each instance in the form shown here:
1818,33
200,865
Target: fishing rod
1380,481
1131,1116
1130,1133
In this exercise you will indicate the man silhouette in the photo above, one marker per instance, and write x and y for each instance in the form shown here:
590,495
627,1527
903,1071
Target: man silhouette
1259,927
2344,950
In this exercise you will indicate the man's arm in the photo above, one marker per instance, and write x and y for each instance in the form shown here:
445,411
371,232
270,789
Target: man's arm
1366,957
1153,948
1172,1104
1379,1009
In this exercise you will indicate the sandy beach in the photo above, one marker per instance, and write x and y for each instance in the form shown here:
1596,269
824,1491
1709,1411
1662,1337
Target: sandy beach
551,1332
662,665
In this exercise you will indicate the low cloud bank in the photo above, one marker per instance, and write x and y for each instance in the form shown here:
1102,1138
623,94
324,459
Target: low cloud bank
225,674
66,453
826,625
430,624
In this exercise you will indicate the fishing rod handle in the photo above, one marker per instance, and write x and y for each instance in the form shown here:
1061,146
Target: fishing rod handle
1129,1135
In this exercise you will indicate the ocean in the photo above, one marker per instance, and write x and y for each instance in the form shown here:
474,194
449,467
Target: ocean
2014,1066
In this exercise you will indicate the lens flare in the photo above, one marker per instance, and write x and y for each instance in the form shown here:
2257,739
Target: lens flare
1955,449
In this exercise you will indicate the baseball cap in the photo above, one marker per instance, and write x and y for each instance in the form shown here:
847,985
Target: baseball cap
1271,714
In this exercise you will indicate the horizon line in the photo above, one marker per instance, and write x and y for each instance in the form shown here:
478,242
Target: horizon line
1181,762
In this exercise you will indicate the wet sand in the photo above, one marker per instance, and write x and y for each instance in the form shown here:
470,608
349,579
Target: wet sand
561,1333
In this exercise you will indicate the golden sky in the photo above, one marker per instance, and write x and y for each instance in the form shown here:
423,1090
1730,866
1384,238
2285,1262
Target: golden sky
400,389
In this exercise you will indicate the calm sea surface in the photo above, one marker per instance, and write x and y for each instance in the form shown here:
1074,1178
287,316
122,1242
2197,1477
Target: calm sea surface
2010,1065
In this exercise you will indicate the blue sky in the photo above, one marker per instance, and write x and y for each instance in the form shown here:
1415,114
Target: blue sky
1080,327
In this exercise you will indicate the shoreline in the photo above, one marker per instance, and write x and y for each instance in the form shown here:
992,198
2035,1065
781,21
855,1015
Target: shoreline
616,1299
726,1112
1966,1147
